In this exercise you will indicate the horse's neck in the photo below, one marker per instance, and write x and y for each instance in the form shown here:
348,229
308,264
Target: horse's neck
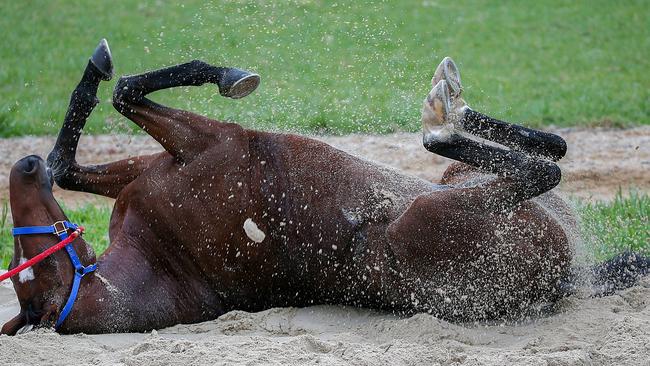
108,299
127,293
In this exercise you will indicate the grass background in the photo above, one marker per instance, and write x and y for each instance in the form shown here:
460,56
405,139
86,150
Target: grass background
341,67
95,219
623,224
337,67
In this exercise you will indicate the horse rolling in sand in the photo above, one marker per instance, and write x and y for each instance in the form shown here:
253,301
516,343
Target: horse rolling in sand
229,218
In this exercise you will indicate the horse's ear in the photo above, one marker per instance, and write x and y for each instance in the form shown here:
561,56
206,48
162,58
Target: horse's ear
14,325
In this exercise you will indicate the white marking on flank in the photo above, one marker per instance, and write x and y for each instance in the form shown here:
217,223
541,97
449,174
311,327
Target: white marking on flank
26,274
253,232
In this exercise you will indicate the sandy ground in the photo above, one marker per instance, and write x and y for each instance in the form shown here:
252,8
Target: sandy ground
598,161
614,330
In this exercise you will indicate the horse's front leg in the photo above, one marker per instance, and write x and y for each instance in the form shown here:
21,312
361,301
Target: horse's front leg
107,179
183,134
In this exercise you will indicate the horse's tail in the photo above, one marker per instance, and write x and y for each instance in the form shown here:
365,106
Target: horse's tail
618,273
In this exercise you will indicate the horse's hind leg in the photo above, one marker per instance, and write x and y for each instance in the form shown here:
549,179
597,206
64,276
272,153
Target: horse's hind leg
181,133
521,176
543,144
106,179
481,263
519,138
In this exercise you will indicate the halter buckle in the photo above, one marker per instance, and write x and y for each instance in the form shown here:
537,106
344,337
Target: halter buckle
58,231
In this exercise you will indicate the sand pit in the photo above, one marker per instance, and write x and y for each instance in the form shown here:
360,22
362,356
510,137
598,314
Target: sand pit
598,162
613,330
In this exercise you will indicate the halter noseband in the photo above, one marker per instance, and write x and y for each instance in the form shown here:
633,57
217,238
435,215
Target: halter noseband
60,229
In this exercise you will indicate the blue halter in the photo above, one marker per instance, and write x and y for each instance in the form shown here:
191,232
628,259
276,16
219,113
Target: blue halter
60,229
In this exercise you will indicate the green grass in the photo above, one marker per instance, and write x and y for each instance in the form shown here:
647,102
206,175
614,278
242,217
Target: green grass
614,227
609,227
337,67
6,241
95,220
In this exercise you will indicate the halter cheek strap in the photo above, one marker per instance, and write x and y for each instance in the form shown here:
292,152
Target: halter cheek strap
60,229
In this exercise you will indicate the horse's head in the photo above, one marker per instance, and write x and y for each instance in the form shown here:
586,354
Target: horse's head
43,288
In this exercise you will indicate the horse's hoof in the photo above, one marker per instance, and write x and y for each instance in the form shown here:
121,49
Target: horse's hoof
436,108
238,83
102,60
448,71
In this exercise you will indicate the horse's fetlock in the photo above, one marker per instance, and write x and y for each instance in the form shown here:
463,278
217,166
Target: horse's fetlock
126,91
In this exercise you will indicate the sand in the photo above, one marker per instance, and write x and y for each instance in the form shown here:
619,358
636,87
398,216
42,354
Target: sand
613,330
598,161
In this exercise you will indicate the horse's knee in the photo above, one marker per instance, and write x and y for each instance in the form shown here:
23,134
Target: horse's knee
125,92
542,178
62,169
551,175
64,180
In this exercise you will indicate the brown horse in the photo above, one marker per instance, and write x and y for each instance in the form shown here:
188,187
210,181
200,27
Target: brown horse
230,218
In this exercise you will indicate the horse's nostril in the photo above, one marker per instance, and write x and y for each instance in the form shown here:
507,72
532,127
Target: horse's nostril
30,166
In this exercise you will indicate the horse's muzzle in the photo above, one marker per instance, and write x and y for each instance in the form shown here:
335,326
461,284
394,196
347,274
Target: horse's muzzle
33,166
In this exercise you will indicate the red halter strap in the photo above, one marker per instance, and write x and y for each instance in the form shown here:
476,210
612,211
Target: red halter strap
49,251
